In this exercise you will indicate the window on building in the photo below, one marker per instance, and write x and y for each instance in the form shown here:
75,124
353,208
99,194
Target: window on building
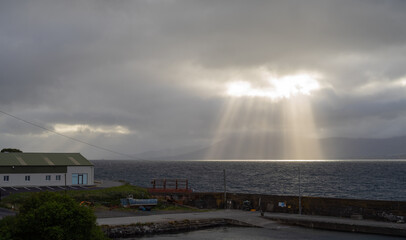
6,178
58,177
48,177
84,178
75,178
27,178
79,178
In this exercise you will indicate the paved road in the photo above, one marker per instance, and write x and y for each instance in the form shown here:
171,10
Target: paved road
334,220
243,216
6,212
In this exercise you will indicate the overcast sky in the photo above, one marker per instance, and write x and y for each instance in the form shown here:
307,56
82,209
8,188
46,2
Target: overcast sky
135,76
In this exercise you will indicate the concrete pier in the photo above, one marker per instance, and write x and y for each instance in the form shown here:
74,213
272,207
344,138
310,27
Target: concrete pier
340,224
274,221
252,218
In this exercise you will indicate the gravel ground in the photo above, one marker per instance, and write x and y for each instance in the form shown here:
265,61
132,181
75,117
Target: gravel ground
103,213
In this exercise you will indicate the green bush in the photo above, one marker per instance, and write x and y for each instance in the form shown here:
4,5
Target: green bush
53,216
7,228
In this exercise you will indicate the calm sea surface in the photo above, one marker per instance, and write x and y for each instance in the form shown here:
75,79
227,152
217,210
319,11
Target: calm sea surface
359,179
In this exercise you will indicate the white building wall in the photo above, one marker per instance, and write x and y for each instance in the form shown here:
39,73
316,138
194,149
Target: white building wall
39,179
36,179
89,170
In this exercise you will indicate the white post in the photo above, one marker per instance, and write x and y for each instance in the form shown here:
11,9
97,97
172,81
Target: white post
65,183
225,189
300,194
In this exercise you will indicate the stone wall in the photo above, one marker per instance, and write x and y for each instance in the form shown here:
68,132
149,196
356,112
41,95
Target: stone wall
368,209
137,230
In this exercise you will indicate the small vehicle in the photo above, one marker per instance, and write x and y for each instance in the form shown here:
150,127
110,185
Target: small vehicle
142,204
246,205
86,204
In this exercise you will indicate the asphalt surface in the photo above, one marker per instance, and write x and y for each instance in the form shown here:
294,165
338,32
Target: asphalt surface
6,212
252,218
334,220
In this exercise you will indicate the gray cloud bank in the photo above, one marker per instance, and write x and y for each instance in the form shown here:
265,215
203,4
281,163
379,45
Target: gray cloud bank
158,69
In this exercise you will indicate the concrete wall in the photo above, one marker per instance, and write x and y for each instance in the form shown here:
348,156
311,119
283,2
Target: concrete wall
39,179
368,209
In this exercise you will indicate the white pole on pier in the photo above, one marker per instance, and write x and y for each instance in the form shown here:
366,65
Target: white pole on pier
300,194
225,189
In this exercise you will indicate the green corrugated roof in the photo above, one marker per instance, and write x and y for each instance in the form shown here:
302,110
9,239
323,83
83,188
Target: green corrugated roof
43,159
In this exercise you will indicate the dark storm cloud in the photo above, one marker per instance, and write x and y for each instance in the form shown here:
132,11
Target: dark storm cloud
158,68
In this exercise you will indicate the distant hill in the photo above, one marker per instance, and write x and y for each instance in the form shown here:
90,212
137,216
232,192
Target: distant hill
261,147
166,153
365,148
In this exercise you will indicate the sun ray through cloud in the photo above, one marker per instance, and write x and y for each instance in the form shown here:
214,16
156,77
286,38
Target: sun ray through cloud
250,111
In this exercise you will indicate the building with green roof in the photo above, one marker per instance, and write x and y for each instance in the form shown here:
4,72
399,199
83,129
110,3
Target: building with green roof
45,169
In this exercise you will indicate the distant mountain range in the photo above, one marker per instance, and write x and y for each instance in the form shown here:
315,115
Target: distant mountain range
260,147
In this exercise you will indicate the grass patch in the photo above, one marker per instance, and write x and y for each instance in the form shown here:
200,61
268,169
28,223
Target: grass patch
102,198
164,206
105,196
109,195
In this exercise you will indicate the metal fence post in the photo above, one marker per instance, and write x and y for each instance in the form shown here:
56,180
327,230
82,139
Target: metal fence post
225,189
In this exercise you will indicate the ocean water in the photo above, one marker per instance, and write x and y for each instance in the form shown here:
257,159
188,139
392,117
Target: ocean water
354,179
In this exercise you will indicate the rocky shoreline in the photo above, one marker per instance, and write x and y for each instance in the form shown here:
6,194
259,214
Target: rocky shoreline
141,229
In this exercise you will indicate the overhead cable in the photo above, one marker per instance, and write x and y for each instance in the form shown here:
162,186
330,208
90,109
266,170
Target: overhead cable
65,136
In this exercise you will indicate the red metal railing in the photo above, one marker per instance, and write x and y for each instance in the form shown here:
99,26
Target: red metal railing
169,185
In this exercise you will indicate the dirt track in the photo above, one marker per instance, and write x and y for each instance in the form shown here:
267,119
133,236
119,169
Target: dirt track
105,213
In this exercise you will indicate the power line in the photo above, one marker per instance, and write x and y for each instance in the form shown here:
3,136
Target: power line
65,136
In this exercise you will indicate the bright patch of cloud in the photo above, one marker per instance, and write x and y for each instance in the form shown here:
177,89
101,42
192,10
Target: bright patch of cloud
78,128
378,86
275,87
